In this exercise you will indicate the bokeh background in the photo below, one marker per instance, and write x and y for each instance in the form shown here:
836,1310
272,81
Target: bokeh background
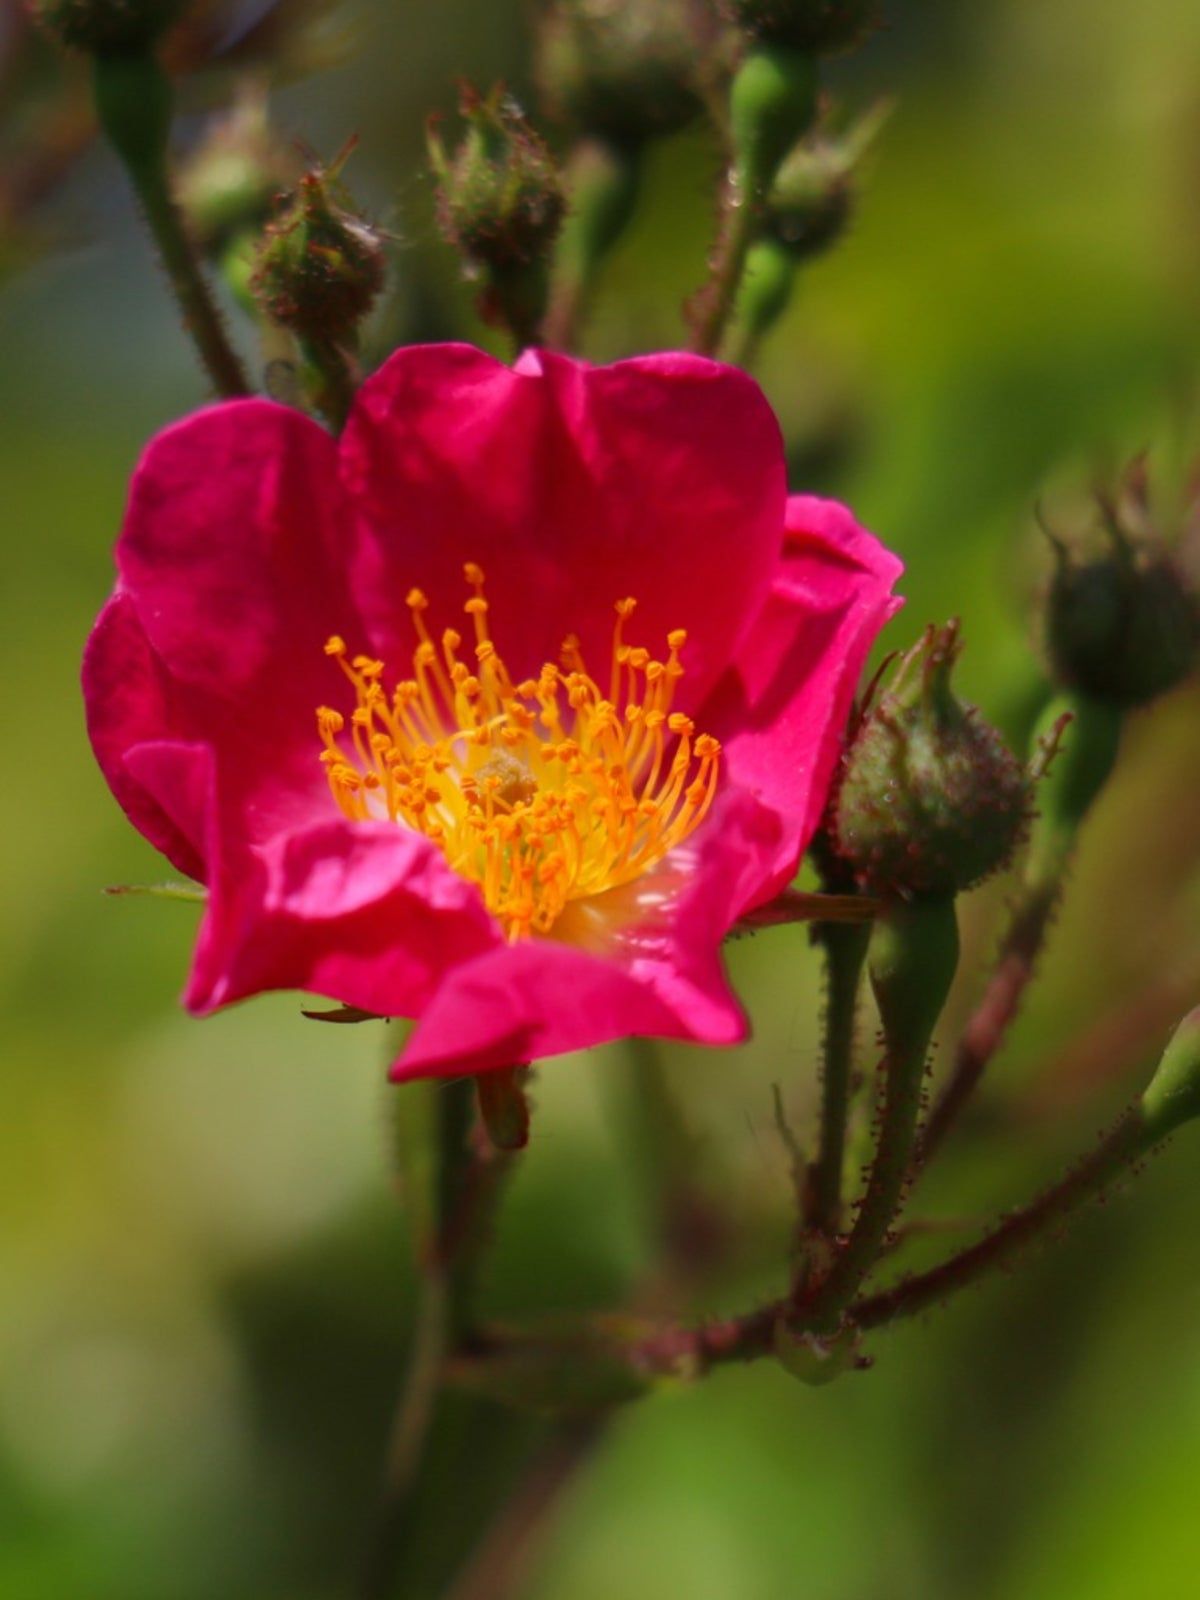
205,1288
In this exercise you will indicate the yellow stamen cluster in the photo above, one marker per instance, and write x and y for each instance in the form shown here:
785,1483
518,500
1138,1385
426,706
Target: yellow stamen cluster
543,791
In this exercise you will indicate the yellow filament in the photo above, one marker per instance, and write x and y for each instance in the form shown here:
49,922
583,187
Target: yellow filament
541,792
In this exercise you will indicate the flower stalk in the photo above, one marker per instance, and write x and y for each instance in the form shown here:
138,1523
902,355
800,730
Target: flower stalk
772,102
1070,783
1172,1099
133,103
845,950
911,958
604,179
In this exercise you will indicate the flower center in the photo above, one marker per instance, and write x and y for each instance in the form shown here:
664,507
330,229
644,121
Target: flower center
541,792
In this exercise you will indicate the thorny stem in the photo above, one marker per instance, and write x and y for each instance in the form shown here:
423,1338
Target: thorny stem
845,948
335,387
201,318
604,182
797,905
712,307
989,1024
748,1337
133,103
913,954
467,1178
1067,792
1128,1141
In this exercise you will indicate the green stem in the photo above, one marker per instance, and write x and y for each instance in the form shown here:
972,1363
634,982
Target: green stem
133,103
517,295
335,385
1171,1100
772,102
1074,778
713,306
464,1187
912,957
605,181
667,1160
768,283
845,948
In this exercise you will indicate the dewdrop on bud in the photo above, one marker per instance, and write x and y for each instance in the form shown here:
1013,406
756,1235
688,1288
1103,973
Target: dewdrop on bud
107,27
320,266
1123,626
628,72
500,197
823,27
930,800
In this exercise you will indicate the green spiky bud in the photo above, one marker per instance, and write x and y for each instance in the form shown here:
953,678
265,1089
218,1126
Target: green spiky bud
930,800
500,195
320,265
628,72
822,26
107,27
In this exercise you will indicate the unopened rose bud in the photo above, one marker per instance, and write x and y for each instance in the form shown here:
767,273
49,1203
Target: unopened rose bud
772,103
822,26
107,27
500,196
320,266
930,799
631,71
812,199
1123,626
1173,1096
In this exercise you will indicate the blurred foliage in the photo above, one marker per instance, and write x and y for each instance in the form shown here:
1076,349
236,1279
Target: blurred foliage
204,1283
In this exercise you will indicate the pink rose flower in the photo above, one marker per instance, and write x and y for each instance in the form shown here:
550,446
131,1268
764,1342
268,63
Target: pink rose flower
390,697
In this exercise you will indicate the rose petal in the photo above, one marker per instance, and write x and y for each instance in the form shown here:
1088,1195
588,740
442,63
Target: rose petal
782,709
573,486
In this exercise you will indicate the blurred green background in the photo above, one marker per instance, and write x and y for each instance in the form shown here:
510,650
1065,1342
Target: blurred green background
204,1279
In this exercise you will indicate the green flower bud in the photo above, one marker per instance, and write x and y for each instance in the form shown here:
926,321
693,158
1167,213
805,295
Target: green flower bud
822,26
500,196
1122,627
1173,1096
107,27
630,71
812,199
230,180
930,800
320,266
772,103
